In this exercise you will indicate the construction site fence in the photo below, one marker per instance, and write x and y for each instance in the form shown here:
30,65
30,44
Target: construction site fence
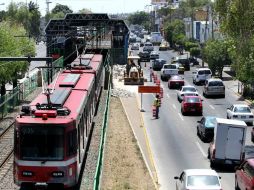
26,86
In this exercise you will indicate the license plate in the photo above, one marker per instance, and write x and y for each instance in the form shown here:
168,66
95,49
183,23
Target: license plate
192,109
228,162
243,117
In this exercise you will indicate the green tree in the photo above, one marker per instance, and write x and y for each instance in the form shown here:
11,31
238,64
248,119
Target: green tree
236,20
174,32
11,46
61,8
140,18
27,15
217,56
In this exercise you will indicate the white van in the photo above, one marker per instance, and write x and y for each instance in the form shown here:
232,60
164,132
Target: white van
201,75
228,144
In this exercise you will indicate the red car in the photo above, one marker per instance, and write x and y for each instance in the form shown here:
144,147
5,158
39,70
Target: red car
175,81
192,104
244,175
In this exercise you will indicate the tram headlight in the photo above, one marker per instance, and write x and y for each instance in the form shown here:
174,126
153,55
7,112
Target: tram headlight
27,173
57,174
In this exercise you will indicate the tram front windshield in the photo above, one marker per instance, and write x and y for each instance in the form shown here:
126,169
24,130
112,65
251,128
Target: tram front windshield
42,143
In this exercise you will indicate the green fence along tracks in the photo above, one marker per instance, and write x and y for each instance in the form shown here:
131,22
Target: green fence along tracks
13,98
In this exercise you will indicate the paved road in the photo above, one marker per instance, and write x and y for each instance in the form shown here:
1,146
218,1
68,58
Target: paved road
174,143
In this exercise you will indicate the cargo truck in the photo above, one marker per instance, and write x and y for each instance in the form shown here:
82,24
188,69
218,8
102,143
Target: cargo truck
228,145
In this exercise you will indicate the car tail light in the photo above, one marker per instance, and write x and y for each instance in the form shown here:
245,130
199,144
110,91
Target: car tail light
251,116
234,116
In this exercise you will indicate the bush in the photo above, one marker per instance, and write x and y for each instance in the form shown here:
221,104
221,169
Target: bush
195,51
188,45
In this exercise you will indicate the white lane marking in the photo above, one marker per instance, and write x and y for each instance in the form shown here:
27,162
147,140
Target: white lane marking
180,115
201,150
168,96
212,107
174,106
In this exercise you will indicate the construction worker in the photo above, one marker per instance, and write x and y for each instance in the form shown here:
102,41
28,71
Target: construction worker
157,105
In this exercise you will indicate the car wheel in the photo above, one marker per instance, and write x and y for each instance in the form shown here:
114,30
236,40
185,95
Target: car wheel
252,138
223,96
227,116
212,164
183,113
204,94
236,184
194,82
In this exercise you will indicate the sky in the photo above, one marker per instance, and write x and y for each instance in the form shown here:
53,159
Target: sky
96,6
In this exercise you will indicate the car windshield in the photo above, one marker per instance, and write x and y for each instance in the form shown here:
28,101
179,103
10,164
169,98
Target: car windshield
189,89
203,181
47,143
176,78
210,121
242,109
192,100
170,66
216,83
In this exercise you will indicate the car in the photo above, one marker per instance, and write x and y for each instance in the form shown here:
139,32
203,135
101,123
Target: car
148,46
175,81
186,90
135,46
158,64
244,175
168,70
194,61
192,104
180,68
164,46
205,128
193,179
200,75
154,55
214,87
240,112
184,60
144,56
138,39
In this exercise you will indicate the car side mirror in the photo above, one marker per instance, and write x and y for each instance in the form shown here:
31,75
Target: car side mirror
176,177
202,100
219,177
228,108
198,121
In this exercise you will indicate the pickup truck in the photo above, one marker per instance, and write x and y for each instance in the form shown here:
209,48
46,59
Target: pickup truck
168,70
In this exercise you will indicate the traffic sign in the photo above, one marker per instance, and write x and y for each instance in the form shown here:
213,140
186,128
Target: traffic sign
148,89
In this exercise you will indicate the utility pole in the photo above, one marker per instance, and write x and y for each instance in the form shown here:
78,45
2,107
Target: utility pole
47,5
206,23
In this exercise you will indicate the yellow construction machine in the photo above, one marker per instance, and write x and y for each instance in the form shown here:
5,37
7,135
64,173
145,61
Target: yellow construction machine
133,74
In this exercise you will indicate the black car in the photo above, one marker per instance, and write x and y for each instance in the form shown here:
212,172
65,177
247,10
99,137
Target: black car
144,56
158,64
194,61
185,63
205,128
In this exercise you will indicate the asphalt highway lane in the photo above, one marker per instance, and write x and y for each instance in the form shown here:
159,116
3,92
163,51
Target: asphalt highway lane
174,142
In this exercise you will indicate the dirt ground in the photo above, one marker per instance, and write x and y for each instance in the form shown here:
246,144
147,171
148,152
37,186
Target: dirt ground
124,167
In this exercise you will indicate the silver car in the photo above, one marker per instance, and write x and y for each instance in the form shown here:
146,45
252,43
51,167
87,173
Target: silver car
214,87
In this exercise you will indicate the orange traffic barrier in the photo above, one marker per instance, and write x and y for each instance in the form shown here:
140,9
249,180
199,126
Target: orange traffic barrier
158,82
154,111
161,92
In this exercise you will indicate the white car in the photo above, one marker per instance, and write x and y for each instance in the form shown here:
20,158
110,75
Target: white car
154,55
240,112
186,91
191,179
201,74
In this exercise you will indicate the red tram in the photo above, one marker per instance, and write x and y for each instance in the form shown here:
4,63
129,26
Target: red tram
51,134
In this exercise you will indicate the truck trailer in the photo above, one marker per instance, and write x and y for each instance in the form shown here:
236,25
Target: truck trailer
228,145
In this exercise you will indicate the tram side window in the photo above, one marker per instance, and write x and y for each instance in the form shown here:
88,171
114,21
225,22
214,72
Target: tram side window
72,142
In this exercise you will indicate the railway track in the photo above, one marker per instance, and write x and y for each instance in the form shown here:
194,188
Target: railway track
6,145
